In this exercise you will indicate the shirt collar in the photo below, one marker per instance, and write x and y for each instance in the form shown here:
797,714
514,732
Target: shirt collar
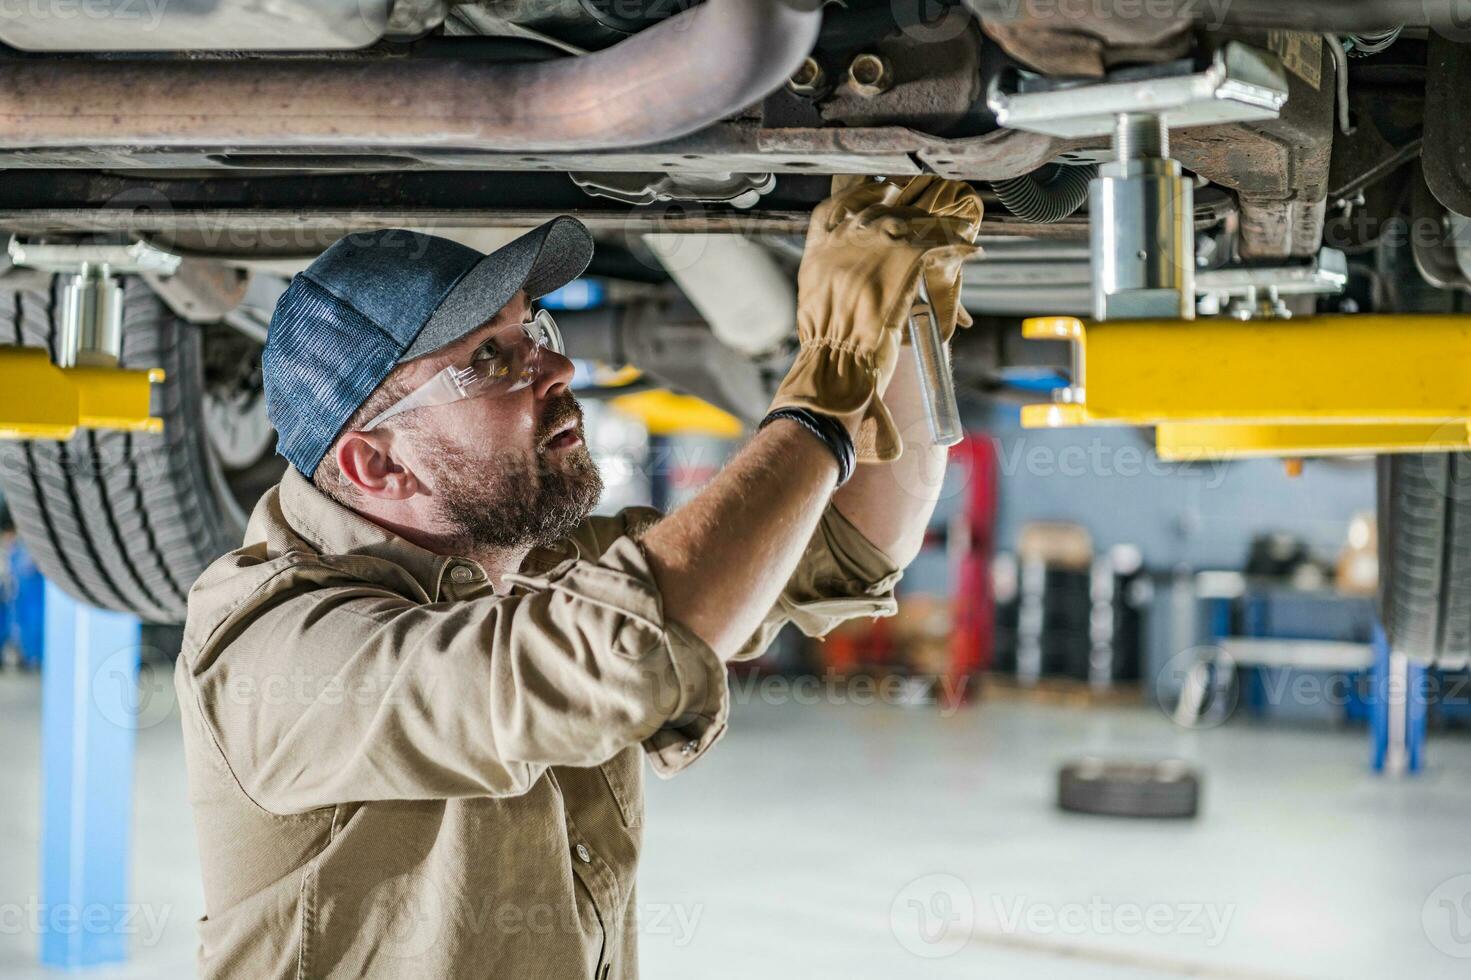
336,530
332,529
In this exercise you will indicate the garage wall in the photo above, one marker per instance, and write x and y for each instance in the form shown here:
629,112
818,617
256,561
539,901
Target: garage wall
1203,515
1200,516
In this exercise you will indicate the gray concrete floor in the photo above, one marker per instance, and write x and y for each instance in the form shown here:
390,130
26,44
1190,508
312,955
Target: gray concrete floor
837,840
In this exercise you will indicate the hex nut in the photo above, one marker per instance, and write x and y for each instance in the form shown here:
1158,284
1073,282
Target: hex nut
808,79
870,75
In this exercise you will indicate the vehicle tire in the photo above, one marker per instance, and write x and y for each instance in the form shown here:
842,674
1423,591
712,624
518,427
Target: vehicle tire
1424,499
1168,789
1425,556
125,520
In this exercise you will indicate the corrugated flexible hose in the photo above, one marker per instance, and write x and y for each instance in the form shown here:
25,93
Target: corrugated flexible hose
1048,195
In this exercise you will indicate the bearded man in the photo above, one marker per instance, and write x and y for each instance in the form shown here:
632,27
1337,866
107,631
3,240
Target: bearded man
416,701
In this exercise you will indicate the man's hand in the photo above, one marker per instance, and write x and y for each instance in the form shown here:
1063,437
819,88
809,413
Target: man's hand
867,248
722,560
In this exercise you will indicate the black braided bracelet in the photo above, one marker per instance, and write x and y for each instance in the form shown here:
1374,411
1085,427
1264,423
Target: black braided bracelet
827,430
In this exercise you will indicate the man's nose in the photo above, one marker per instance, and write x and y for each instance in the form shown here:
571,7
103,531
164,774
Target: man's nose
553,375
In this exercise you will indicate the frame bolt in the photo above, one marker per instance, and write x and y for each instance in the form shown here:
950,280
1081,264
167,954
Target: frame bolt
870,75
808,79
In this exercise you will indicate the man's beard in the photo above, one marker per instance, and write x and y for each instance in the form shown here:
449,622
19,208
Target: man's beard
504,499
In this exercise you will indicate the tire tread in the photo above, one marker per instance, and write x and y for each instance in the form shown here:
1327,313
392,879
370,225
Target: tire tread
123,520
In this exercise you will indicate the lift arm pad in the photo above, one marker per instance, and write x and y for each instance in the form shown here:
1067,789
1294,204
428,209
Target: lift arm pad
1346,369
39,400
1314,386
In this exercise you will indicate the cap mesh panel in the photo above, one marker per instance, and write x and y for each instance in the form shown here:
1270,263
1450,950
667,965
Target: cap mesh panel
322,360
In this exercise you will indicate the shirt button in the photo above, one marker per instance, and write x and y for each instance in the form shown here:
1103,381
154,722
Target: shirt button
462,574
583,854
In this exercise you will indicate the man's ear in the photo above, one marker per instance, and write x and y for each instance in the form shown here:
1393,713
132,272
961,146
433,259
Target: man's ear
367,462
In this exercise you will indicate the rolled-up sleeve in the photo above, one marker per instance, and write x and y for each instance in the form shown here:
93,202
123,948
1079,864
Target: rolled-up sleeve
693,700
323,690
841,576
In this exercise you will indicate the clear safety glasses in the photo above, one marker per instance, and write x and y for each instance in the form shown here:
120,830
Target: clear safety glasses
508,361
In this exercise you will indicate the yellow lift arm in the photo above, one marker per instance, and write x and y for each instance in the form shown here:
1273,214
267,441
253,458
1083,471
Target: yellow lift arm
1227,388
39,400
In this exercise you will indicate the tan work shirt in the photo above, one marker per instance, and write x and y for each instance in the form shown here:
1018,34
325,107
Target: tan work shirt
396,772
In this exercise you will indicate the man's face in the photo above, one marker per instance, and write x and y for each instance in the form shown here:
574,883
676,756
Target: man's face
505,470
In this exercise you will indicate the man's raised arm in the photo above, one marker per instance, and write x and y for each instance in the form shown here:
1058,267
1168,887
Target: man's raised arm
722,560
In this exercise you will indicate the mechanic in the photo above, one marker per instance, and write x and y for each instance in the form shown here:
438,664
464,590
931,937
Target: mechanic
416,701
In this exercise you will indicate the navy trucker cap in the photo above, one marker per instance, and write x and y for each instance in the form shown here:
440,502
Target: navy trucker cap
376,299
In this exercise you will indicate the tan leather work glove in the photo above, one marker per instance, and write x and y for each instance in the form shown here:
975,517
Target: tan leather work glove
867,247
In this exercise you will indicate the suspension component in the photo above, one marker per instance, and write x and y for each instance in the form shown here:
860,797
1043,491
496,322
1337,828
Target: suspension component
1046,196
1142,227
1141,205
84,388
91,296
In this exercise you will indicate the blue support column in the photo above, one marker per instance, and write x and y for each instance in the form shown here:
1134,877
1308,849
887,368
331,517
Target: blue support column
1220,618
28,604
1416,713
1258,624
89,712
1397,710
1379,701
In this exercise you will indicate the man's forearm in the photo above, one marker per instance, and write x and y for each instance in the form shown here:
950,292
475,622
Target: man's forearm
722,560
891,503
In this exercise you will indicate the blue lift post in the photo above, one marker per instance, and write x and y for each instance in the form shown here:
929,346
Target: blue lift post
1398,696
89,712
1397,710
27,605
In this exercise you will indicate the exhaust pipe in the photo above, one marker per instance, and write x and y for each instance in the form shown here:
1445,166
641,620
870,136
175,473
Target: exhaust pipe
665,82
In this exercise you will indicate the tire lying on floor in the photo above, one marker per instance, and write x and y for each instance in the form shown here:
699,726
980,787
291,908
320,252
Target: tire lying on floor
1168,789
126,520
1425,556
